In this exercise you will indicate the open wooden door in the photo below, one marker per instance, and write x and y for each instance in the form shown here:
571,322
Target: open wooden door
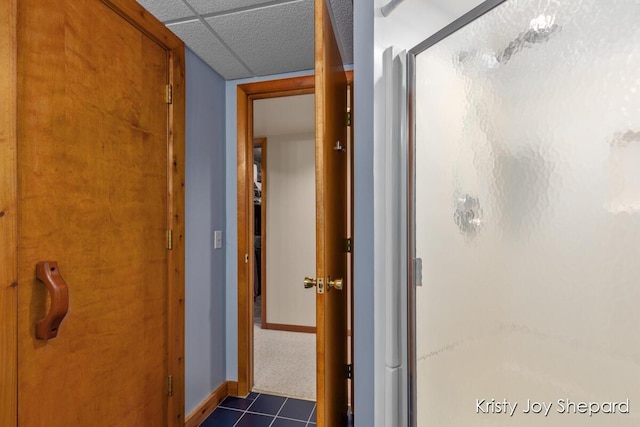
100,175
331,223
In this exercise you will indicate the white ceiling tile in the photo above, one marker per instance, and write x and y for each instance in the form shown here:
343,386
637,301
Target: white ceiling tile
213,6
260,37
342,11
270,40
167,10
204,44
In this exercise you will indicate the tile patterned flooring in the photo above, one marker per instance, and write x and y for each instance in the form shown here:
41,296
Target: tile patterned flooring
262,410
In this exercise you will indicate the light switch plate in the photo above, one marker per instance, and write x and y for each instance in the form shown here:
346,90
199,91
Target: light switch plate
217,239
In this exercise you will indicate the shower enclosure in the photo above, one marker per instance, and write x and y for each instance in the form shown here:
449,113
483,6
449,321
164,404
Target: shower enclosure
524,188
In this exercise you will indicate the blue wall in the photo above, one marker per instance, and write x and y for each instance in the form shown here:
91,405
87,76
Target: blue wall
205,212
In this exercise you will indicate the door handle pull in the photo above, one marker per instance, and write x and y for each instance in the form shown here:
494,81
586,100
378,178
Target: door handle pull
47,272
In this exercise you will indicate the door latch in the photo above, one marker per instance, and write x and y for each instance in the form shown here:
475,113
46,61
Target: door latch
310,282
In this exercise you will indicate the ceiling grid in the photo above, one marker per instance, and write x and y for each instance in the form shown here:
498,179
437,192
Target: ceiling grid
249,38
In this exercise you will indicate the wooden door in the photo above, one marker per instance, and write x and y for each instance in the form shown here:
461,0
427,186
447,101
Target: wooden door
93,186
331,222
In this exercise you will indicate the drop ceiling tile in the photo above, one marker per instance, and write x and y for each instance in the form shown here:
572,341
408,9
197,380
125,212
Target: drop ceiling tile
213,6
167,10
343,20
273,39
204,44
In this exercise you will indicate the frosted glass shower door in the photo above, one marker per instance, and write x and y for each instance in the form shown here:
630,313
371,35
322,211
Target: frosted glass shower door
526,217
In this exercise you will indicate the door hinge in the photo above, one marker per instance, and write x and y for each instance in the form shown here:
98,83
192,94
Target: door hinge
169,94
348,245
170,384
350,371
348,116
170,239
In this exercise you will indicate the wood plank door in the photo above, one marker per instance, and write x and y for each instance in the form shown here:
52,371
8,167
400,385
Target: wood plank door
93,196
331,222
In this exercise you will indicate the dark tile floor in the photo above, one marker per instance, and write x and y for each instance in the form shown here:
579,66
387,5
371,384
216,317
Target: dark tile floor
263,410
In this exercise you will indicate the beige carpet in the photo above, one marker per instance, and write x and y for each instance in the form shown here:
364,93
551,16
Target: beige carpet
284,363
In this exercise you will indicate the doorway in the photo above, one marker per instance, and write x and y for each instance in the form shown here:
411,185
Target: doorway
284,246
247,94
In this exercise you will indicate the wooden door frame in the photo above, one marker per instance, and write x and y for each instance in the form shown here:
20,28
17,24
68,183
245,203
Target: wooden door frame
246,94
262,144
135,14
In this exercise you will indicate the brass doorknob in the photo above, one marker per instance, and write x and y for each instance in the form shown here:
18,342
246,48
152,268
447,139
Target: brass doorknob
337,284
309,282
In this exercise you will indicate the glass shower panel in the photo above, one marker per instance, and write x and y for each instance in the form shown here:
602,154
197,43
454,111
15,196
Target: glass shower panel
527,218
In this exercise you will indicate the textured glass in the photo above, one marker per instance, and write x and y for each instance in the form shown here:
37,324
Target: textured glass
527,211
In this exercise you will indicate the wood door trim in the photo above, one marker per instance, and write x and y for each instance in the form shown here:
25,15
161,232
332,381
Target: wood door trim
289,328
246,94
137,16
8,216
232,388
176,256
263,234
147,24
262,143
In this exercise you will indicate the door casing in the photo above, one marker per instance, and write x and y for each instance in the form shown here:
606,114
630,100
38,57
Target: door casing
246,94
